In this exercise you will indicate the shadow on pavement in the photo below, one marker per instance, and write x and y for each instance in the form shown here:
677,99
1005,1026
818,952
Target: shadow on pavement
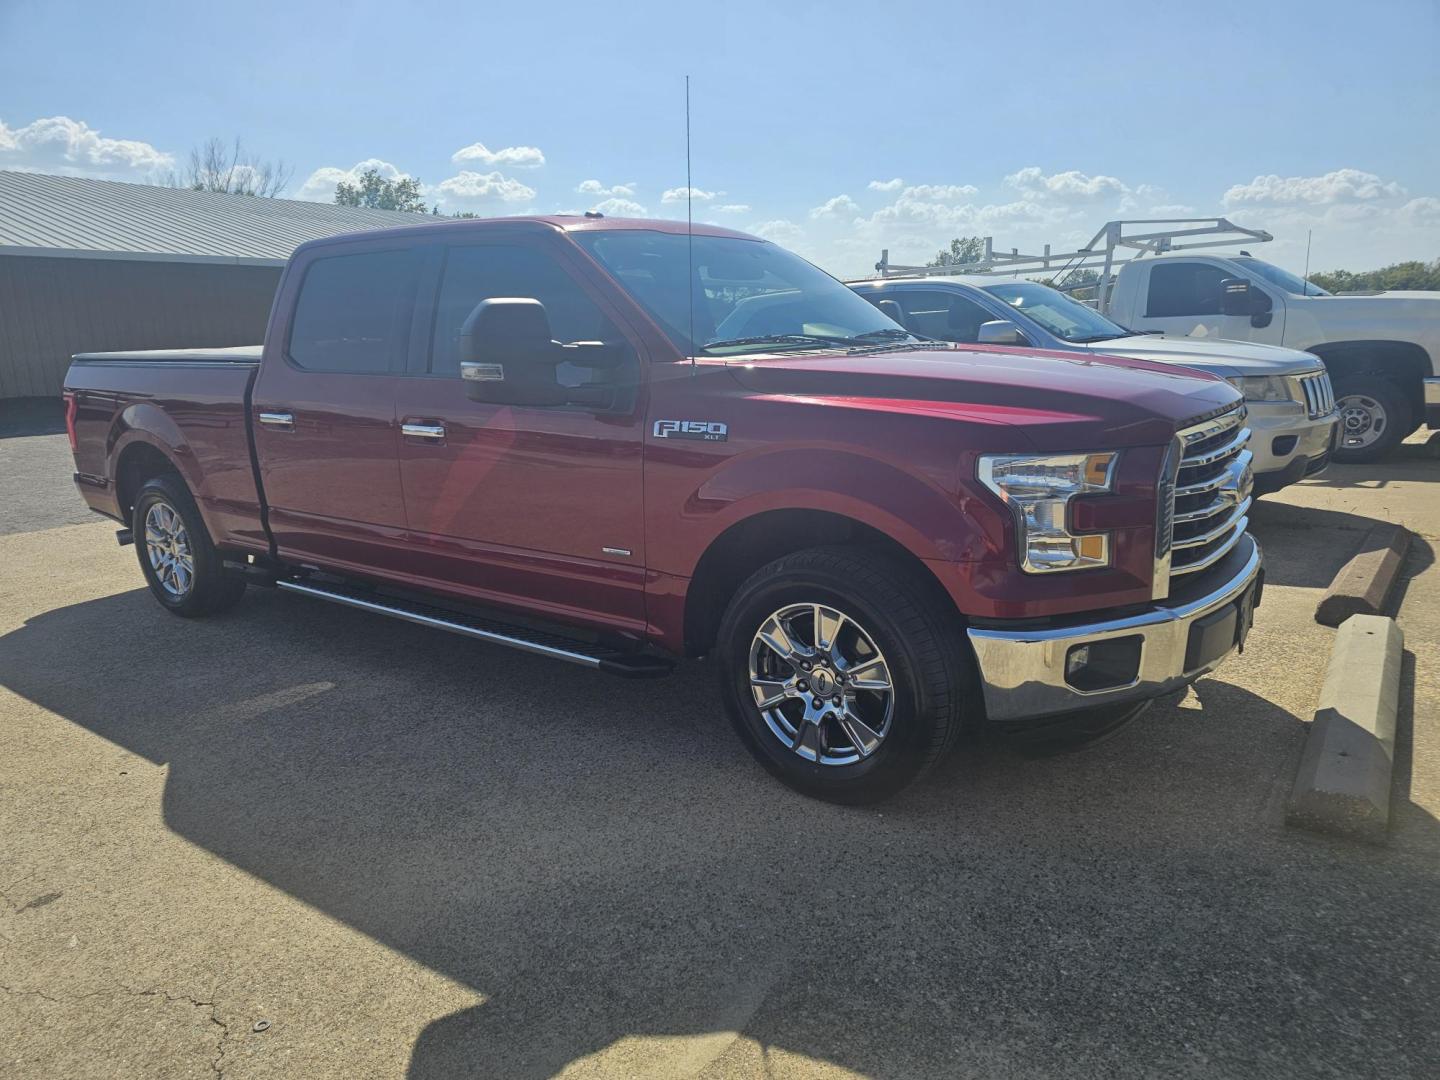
601,860
31,416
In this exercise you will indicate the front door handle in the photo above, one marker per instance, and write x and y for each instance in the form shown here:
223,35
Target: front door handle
283,420
423,431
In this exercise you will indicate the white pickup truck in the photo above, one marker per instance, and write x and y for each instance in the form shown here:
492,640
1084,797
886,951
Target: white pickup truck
1382,349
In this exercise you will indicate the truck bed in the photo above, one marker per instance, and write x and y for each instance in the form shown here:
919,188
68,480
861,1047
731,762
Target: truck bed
189,405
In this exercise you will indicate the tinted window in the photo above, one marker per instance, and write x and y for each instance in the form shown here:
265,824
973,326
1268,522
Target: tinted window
473,274
944,315
1184,289
353,313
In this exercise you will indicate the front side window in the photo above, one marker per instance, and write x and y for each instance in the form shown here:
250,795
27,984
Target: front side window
1062,315
473,274
353,312
1184,288
741,289
940,314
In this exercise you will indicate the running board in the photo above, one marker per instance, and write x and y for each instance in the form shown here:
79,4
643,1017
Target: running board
587,654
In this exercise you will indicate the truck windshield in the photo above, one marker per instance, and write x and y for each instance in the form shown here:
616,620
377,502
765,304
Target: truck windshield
747,293
1283,278
1062,315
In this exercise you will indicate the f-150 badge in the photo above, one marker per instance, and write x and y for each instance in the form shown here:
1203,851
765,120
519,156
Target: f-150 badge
704,430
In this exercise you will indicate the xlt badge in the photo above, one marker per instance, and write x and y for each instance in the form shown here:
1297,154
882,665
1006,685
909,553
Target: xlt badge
705,430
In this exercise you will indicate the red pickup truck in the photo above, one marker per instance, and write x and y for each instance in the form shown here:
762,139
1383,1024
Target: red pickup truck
619,444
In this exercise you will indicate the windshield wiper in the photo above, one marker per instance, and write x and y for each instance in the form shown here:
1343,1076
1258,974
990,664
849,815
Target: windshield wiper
888,333
780,339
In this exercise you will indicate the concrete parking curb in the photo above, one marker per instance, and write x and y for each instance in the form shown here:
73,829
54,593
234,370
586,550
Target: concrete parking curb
1364,583
1343,784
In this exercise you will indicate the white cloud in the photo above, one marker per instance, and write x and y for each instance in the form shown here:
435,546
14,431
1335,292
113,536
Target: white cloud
1421,213
1171,210
780,230
319,186
621,208
515,157
886,185
595,187
467,189
677,194
733,208
1342,185
839,207
59,144
943,192
1071,185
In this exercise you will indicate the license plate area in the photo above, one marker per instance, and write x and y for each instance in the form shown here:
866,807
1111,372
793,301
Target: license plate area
1215,634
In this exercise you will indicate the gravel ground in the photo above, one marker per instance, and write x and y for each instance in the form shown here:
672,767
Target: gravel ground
400,853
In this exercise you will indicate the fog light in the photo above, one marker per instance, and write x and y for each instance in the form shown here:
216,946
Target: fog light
1104,665
1283,444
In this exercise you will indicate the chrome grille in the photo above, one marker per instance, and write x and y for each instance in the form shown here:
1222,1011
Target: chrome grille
1207,514
1316,393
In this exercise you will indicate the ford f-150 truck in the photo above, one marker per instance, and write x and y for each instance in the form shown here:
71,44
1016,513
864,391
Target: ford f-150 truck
1291,409
613,443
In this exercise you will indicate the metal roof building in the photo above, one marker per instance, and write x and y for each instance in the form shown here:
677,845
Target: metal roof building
94,265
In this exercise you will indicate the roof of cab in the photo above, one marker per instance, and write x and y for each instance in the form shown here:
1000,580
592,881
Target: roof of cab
453,228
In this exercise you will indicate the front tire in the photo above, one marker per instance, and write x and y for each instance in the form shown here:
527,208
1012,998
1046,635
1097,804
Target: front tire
842,674
1374,418
179,561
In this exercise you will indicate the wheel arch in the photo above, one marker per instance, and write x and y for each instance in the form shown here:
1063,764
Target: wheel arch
761,538
1402,362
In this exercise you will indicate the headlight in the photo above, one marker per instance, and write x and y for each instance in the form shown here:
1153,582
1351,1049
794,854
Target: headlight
1263,387
1038,490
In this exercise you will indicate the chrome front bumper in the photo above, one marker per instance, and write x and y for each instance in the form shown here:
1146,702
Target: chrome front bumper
1024,671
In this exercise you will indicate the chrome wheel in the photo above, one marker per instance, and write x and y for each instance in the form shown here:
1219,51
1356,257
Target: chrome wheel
821,684
1363,420
167,545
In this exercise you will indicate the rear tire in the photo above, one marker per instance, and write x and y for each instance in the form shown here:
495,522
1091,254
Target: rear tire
179,561
826,729
1374,418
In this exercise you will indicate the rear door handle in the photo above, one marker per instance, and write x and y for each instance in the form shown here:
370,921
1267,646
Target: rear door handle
423,431
283,420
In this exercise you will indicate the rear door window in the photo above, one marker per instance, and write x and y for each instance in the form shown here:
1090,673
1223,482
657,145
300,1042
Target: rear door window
353,312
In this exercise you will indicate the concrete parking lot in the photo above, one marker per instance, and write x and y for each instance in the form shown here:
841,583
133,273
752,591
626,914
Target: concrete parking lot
300,841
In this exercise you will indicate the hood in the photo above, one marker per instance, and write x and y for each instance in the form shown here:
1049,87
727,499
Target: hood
1219,357
1055,398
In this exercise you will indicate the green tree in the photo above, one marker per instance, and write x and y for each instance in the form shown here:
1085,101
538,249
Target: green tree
1402,275
374,192
963,249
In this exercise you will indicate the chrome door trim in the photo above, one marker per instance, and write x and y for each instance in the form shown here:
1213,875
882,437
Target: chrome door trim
423,431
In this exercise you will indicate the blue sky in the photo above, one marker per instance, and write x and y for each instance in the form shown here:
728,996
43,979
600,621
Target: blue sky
836,128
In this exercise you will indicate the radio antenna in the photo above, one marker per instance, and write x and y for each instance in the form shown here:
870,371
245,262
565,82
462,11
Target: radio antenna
1309,233
689,229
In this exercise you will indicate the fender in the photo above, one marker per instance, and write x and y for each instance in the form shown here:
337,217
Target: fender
918,514
148,424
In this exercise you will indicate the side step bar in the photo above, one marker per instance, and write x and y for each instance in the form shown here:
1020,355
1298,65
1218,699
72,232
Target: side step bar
612,661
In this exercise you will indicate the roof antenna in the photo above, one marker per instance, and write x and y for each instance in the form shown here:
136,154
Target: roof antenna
1306,279
689,229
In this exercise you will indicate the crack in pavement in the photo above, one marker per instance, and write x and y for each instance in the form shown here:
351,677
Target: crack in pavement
179,999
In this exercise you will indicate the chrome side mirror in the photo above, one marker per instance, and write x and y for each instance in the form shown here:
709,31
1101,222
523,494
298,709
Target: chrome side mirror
1000,332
